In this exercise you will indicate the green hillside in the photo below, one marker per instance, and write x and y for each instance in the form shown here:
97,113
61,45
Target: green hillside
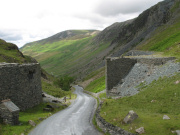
68,55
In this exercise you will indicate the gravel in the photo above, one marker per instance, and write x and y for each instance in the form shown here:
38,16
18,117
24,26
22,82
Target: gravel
142,73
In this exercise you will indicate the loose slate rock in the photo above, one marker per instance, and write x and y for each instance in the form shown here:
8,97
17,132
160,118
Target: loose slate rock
177,82
32,123
130,117
48,109
140,130
165,117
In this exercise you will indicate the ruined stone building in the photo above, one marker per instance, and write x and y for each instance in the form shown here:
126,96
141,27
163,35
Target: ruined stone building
21,83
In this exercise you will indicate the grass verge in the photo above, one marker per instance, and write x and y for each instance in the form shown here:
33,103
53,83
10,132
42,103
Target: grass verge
160,98
53,90
96,85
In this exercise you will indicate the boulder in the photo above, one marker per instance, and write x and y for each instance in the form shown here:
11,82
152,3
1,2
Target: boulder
165,117
130,117
32,123
177,82
140,130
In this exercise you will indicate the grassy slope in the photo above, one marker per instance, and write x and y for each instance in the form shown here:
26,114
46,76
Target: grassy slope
53,90
166,96
9,53
97,85
95,82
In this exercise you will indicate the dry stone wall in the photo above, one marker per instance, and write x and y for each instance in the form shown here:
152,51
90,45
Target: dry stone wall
21,83
116,69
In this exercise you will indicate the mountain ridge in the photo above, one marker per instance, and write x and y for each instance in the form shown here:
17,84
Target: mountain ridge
64,35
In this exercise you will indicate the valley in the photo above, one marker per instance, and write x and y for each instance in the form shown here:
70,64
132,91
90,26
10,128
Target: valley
131,65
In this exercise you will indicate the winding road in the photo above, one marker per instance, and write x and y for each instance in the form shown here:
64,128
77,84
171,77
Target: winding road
74,120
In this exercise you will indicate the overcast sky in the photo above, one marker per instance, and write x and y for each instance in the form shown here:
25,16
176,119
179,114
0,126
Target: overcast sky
24,21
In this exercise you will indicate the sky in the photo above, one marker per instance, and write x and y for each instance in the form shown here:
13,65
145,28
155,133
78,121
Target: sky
24,21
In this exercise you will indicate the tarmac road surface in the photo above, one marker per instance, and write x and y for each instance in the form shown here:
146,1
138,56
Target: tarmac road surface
74,120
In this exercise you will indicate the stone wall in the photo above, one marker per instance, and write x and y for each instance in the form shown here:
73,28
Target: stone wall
118,68
21,83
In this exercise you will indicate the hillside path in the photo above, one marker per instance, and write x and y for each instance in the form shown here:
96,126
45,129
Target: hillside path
74,120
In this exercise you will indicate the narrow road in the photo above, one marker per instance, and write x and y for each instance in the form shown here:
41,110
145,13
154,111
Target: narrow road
74,120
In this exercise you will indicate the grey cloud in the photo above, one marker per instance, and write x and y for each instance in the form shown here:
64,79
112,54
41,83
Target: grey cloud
90,17
116,7
96,20
10,35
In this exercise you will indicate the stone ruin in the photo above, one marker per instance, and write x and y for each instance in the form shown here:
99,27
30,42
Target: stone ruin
21,83
9,112
124,74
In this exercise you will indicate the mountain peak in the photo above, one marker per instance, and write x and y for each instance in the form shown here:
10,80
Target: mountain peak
66,35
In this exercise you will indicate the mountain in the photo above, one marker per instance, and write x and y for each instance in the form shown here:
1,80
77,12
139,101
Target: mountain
78,53
65,52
